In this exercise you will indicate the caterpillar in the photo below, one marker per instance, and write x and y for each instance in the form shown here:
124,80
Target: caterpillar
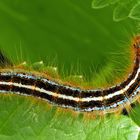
18,81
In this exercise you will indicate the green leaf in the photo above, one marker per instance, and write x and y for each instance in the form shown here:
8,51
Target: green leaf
121,12
23,119
97,4
135,14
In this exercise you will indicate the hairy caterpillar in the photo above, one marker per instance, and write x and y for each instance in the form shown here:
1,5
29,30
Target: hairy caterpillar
21,82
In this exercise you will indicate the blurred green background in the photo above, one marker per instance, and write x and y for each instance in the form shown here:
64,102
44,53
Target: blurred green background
89,38
66,33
